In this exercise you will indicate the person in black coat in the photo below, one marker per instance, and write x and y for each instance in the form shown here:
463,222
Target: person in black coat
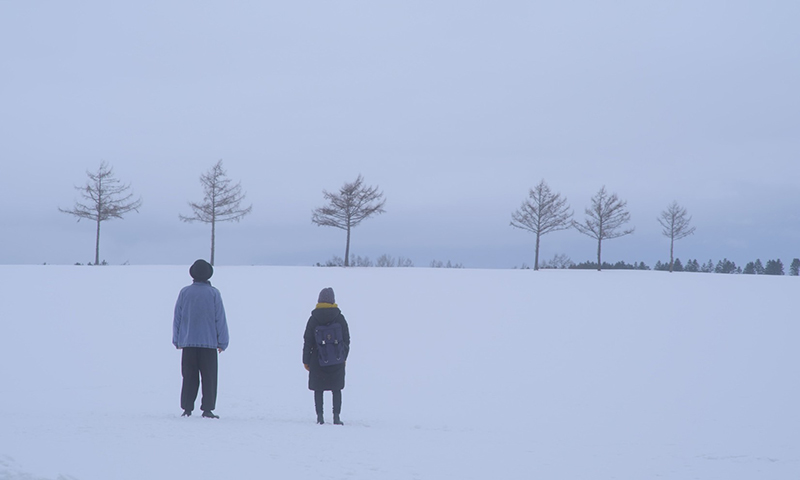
332,353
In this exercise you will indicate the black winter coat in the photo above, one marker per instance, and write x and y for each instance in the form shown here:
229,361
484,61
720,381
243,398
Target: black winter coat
328,377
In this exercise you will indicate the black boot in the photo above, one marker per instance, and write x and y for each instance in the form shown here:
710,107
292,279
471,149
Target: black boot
320,419
187,413
337,420
209,414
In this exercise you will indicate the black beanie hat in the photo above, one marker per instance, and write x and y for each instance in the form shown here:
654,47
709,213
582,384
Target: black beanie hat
201,271
326,296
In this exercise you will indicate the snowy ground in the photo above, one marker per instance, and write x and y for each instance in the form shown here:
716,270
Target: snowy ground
468,374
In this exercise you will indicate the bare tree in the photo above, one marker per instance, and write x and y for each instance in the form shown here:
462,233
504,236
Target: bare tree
559,261
221,202
675,225
105,199
385,260
353,203
604,220
543,212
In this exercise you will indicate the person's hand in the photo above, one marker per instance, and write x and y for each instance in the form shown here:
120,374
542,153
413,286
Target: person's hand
306,365
220,350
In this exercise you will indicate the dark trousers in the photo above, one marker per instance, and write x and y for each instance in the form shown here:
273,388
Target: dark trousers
337,401
197,362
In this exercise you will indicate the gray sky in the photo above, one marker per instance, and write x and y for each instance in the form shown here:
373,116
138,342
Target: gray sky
454,108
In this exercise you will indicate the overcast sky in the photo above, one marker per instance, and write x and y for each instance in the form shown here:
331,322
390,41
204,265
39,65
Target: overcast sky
455,109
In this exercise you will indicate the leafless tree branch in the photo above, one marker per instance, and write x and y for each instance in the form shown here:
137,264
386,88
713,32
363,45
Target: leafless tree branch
221,202
675,226
346,209
104,198
604,219
543,212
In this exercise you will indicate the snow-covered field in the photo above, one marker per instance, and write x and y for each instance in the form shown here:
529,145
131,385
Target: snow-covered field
453,374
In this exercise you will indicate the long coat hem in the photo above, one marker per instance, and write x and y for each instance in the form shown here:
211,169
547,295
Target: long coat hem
329,377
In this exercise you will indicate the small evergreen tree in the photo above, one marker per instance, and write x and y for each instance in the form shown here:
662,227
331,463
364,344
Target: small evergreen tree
692,266
749,269
725,266
621,265
774,267
677,266
707,267
794,268
759,267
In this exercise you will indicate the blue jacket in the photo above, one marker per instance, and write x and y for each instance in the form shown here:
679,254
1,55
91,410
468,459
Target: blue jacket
200,318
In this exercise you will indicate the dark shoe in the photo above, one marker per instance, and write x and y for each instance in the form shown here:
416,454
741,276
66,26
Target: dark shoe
209,414
187,413
320,419
337,420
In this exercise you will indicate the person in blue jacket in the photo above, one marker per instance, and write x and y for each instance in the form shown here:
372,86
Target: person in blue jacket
200,330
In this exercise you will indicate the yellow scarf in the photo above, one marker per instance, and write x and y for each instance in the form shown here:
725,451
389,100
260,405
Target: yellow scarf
327,305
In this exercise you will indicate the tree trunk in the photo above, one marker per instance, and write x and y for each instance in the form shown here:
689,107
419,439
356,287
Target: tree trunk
671,249
213,231
536,258
97,245
599,265
347,249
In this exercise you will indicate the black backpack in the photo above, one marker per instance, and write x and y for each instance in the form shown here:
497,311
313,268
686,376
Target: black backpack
330,344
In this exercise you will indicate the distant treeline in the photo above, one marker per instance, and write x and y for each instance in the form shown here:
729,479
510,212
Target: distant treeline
772,267
558,262
384,260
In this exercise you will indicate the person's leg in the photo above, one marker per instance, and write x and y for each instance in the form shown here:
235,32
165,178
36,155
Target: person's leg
318,405
208,371
337,406
191,378
337,401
